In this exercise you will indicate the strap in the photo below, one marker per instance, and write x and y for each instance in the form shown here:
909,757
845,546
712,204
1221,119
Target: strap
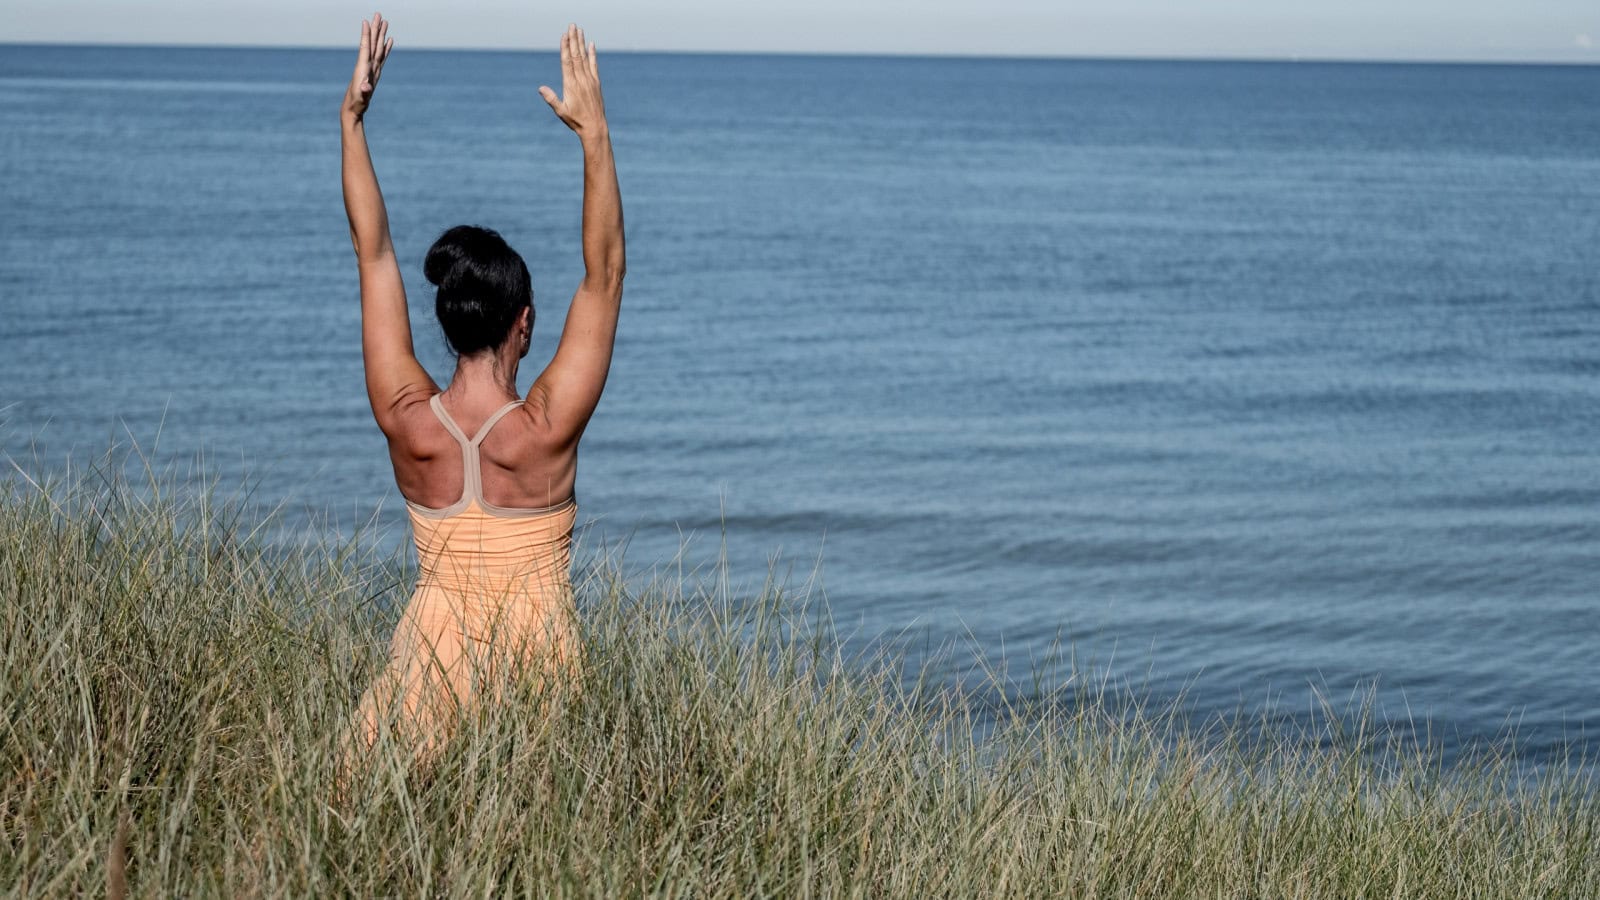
483,430
449,423
471,473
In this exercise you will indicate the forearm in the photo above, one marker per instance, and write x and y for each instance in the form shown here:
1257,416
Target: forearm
604,247
363,201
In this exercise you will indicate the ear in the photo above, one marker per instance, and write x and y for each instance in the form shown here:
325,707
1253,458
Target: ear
525,325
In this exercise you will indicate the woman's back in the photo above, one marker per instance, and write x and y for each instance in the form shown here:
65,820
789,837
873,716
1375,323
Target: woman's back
521,463
493,571
478,561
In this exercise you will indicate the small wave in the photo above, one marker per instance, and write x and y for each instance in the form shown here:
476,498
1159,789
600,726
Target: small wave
1093,551
811,524
1508,498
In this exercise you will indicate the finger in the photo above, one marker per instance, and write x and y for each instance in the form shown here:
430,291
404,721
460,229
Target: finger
594,62
583,47
383,43
550,97
361,54
383,56
566,52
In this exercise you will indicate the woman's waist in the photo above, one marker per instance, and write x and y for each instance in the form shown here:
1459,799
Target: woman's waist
500,558
491,539
489,580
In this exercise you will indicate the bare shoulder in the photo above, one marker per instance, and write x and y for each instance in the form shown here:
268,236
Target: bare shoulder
525,442
410,424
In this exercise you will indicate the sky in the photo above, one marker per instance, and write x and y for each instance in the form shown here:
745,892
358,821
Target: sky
1473,30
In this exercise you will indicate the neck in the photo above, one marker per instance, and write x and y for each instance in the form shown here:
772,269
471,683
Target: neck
492,370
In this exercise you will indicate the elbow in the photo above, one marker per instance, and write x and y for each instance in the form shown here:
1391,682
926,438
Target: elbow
608,278
371,252
357,244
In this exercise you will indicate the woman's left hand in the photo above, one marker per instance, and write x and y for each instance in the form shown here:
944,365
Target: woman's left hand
375,47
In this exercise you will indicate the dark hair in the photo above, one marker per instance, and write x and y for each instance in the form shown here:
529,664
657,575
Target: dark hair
483,286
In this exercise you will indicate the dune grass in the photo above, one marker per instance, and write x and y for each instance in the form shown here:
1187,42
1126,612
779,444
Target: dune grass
176,696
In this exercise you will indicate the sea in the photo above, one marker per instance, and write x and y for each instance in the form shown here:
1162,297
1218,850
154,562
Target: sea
1261,388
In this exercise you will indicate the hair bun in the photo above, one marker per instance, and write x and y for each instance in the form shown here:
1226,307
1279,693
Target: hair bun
444,257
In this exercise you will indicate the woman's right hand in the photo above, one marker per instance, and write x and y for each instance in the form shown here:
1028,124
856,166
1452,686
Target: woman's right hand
580,104
375,47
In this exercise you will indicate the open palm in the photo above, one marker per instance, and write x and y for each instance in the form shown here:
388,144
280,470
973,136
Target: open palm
375,47
580,104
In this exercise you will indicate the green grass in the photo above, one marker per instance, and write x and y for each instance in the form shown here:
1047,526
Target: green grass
175,698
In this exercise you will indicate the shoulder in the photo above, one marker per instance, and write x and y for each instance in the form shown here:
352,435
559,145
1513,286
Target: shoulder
409,419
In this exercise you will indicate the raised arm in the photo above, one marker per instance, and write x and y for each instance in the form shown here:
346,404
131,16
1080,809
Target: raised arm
568,390
393,373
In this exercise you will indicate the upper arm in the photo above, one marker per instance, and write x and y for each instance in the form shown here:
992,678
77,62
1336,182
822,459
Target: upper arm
568,390
393,374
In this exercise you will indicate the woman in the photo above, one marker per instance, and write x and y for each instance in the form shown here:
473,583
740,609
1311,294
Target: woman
487,476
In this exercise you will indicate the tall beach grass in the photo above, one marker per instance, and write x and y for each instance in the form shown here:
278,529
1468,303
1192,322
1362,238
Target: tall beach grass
177,693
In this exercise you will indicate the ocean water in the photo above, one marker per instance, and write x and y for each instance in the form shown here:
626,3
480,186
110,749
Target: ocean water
1252,382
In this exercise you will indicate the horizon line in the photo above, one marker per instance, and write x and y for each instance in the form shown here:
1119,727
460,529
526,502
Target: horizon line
844,54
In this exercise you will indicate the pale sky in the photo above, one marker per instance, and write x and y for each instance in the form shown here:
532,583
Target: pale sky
1489,30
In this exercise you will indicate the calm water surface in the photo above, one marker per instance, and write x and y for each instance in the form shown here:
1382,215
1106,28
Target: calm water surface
1242,378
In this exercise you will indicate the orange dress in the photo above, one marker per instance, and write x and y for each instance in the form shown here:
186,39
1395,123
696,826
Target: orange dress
494,588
